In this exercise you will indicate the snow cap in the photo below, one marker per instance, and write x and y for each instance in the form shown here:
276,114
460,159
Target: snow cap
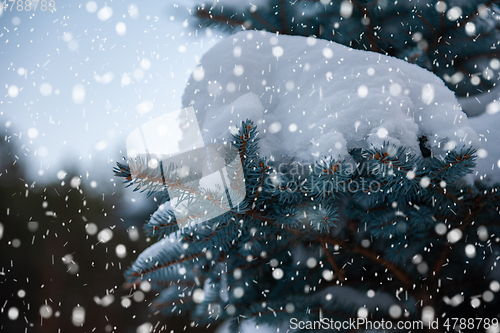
312,98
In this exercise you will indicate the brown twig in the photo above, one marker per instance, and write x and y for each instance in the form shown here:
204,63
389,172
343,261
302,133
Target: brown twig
205,13
427,23
264,22
338,272
369,27
243,147
447,250
263,169
398,272
284,28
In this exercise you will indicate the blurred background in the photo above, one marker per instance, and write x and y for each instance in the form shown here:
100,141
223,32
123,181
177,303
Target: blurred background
75,82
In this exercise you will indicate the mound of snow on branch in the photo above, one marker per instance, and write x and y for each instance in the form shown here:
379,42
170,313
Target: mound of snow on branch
487,127
312,98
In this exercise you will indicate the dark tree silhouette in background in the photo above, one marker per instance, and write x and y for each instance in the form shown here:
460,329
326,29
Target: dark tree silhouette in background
54,260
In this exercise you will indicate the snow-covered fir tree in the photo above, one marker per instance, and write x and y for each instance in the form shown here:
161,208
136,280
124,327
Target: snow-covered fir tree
368,193
456,40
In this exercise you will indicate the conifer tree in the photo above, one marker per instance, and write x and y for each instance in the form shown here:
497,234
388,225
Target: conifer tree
315,246
400,236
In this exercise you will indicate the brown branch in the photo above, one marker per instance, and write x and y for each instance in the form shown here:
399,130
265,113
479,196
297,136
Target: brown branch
244,137
478,203
338,272
476,14
382,159
164,225
205,14
438,266
441,38
427,23
459,159
141,178
261,181
443,28
264,22
460,65
369,27
284,28
398,272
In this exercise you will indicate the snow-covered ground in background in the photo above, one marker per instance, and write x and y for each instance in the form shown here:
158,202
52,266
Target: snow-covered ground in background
487,127
478,104
313,98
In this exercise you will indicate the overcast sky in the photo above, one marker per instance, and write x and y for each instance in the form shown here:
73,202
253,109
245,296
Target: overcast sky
75,82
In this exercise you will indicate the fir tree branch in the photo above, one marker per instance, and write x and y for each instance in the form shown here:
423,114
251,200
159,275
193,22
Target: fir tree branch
245,137
205,14
382,158
165,265
398,272
489,4
338,272
460,65
427,23
163,225
263,169
369,30
460,158
284,28
438,266
263,22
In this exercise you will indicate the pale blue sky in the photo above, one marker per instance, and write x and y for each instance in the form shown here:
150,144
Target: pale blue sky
48,59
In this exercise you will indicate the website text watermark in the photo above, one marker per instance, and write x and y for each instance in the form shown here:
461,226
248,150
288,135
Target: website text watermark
450,324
